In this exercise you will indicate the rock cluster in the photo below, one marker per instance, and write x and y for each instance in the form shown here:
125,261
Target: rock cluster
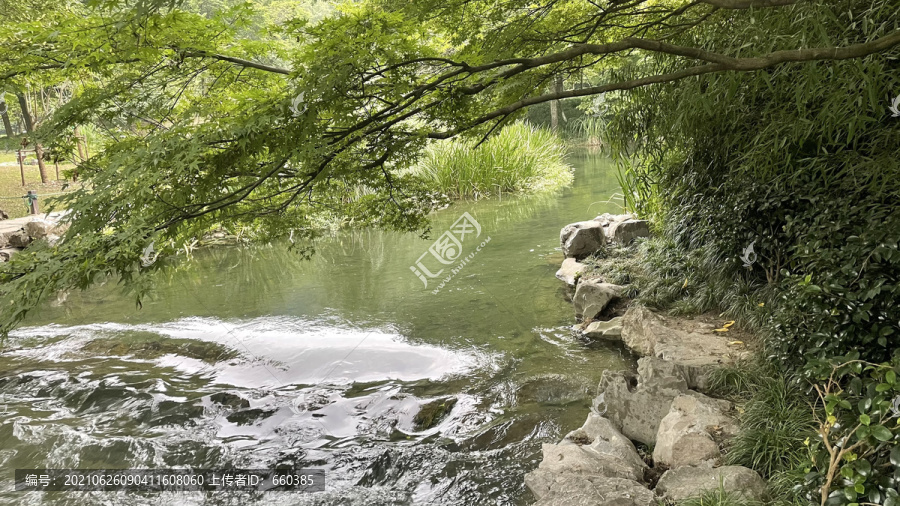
582,239
655,407
18,233
660,405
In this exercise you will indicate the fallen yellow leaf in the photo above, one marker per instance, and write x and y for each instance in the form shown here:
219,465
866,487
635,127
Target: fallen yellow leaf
733,343
685,283
761,304
728,324
724,329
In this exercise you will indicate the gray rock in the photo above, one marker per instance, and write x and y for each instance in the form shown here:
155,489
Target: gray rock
609,330
3,215
570,271
40,228
656,369
7,253
579,240
686,435
18,239
592,297
649,334
624,232
607,219
634,407
686,482
578,490
599,437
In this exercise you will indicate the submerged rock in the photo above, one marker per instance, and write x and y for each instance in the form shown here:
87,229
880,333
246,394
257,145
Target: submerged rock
609,330
686,482
431,413
229,400
582,239
553,389
592,297
570,271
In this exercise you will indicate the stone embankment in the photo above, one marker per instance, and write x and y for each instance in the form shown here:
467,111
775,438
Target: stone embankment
18,233
660,406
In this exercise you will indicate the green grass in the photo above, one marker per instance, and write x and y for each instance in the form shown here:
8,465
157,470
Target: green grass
718,497
11,189
519,159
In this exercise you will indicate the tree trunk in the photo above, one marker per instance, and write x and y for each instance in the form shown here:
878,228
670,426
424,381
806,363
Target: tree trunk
554,104
29,127
26,114
4,112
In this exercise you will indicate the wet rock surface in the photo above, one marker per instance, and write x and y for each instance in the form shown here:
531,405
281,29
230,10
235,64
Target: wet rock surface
592,297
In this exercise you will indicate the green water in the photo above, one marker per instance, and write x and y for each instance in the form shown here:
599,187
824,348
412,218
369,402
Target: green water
332,357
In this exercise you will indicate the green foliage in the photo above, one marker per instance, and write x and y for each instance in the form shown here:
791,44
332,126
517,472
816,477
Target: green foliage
856,459
719,497
520,159
802,163
775,422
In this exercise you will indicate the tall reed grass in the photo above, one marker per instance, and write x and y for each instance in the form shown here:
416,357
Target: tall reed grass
520,159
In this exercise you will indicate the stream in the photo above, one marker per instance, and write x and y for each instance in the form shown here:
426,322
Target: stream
255,358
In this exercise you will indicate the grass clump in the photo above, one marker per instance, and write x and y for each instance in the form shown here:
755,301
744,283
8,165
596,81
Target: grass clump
520,159
719,497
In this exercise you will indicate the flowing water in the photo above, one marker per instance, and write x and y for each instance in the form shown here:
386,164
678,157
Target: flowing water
256,358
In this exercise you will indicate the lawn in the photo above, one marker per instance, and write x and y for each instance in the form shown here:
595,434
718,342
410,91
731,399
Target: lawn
12,191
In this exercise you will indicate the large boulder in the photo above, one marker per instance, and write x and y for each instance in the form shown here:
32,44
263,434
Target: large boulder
635,407
686,482
577,490
40,228
570,271
18,239
592,297
582,239
597,454
625,232
609,330
689,435
684,342
636,404
600,437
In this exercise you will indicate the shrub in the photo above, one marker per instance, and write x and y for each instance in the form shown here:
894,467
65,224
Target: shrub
521,158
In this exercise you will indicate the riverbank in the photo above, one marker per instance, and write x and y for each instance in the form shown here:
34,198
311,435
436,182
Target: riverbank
666,408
